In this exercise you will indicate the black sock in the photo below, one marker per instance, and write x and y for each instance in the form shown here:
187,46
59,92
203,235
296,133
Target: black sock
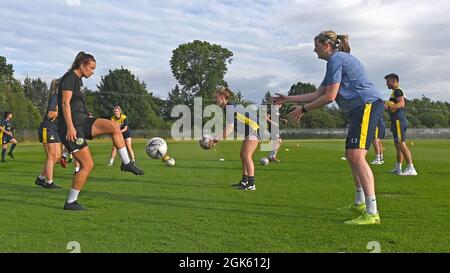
3,154
251,180
244,179
12,148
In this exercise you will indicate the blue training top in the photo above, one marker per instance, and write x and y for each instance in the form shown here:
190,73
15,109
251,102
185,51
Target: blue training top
355,87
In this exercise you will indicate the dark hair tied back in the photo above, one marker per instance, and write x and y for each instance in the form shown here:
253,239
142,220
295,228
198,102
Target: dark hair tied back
82,58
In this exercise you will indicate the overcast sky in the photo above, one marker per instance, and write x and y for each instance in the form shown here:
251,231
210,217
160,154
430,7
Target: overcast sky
271,40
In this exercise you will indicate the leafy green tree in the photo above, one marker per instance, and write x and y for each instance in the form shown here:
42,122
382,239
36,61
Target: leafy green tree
92,101
6,71
200,66
37,91
239,99
121,87
318,118
301,88
12,98
176,97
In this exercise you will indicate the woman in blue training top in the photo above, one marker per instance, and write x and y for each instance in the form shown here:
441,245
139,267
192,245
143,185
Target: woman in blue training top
347,83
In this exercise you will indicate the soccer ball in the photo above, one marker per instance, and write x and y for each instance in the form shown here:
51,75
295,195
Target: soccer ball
156,148
264,161
205,141
170,162
389,104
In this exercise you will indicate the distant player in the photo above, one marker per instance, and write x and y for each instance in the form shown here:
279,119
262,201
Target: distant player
75,126
399,124
68,158
380,133
6,135
251,140
122,122
48,136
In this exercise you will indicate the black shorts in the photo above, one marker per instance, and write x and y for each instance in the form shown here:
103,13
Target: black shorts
48,132
126,134
6,138
363,123
84,132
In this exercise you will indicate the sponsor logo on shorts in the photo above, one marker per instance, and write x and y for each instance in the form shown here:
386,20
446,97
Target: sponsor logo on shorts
52,137
80,141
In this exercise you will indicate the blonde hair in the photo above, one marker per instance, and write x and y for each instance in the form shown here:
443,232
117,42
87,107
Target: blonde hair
224,91
339,42
54,87
118,108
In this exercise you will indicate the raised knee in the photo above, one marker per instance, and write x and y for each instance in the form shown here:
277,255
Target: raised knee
114,126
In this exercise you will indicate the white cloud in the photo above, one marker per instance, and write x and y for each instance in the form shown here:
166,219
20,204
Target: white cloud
271,40
73,2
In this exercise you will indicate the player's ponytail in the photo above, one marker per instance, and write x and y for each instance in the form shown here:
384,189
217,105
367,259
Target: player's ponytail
337,42
82,58
54,87
344,45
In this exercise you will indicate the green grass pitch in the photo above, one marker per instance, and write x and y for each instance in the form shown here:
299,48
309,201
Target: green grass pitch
192,208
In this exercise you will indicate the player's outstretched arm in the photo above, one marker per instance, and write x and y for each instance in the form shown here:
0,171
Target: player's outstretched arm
328,97
306,98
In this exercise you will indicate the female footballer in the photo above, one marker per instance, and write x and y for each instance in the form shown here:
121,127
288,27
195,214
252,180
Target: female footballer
235,116
6,135
347,83
75,126
122,122
48,136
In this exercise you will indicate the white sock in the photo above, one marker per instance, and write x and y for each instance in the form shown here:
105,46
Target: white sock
41,177
48,181
371,205
66,155
111,161
398,166
378,157
77,169
271,154
73,196
124,155
359,196
411,166
382,157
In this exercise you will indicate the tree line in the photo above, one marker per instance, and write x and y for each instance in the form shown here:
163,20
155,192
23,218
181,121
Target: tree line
199,67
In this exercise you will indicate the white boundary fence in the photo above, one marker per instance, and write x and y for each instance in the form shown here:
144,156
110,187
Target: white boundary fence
416,133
